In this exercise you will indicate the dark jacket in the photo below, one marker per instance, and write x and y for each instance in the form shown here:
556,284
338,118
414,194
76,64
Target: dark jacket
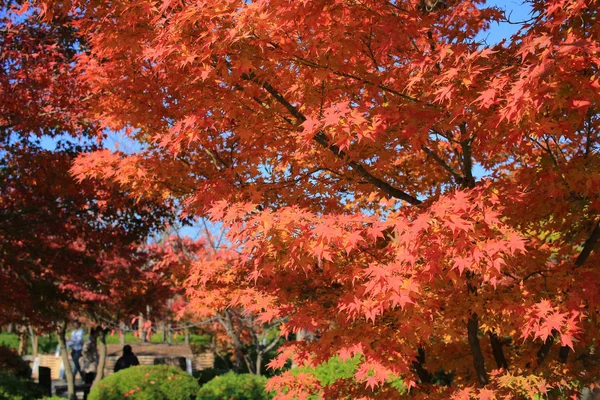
126,361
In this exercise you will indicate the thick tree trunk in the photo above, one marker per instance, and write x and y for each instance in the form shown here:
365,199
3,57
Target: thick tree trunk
498,351
101,358
61,332
478,361
187,336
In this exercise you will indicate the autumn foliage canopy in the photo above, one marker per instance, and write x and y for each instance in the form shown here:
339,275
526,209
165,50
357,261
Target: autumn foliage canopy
392,183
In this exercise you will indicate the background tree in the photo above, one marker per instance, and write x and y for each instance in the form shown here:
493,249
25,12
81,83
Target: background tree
68,248
209,298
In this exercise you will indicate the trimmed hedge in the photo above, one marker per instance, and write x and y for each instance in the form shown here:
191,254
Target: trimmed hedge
233,386
147,382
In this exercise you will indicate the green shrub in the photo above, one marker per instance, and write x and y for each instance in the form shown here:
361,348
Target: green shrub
232,386
11,363
147,382
46,343
333,370
208,374
16,388
10,340
337,379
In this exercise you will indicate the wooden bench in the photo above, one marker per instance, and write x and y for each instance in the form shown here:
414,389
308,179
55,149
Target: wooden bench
199,362
49,361
160,353
144,359
204,361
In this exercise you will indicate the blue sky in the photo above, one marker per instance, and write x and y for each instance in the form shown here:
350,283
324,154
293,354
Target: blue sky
516,11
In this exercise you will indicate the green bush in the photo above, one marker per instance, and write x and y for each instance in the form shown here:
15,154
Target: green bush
147,382
10,340
16,388
208,374
337,379
232,386
46,343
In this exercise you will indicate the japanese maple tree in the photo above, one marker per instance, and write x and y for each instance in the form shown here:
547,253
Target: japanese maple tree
340,141
205,287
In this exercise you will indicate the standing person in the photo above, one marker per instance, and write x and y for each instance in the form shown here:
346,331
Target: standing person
89,355
127,360
76,345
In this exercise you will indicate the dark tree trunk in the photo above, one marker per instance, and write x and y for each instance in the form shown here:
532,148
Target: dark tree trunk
478,361
421,372
498,351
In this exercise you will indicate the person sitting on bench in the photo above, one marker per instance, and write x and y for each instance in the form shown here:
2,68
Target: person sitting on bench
127,359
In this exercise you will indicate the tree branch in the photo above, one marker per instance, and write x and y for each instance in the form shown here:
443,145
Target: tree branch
457,177
321,138
271,345
363,80
589,246
467,157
